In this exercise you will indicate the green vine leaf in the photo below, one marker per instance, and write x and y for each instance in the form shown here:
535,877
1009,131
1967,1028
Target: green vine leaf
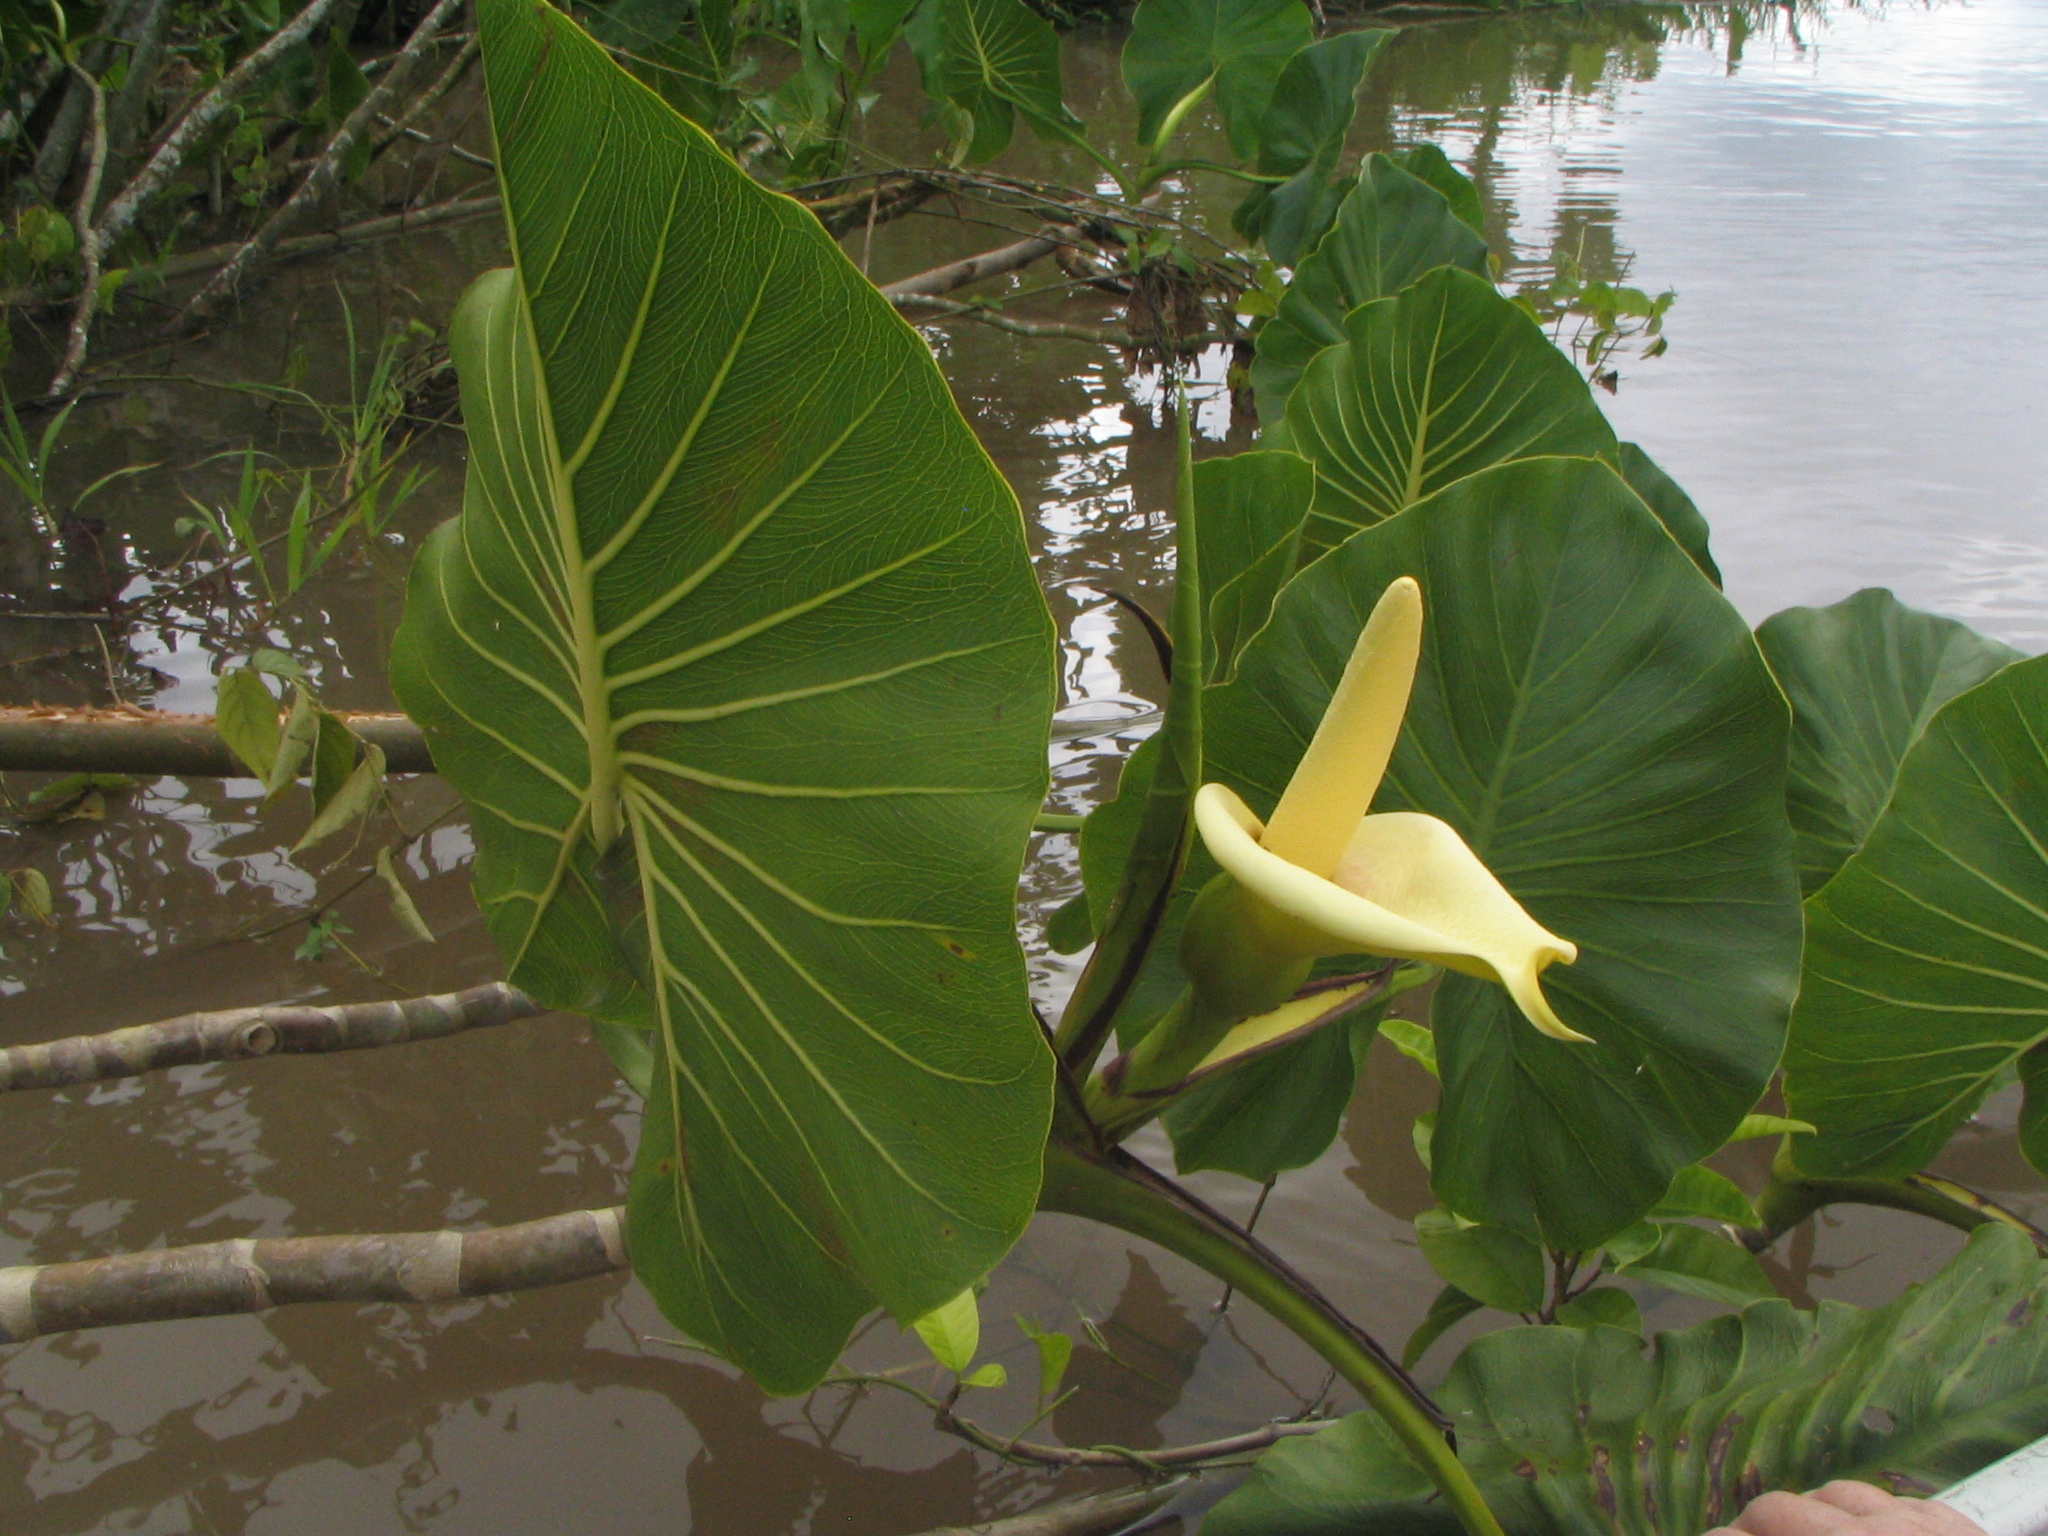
736,655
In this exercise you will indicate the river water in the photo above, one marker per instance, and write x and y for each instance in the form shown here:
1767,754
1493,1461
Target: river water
1848,203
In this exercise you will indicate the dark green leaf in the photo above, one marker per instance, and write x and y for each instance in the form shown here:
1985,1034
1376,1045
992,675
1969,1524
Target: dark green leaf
1436,383
1390,229
1240,47
1927,956
295,742
1595,720
1252,508
999,55
1500,1268
1301,137
1575,1430
1277,1113
1694,1262
1864,677
1674,509
1055,1352
1430,164
1604,1306
1632,1242
1451,1307
353,797
737,656
1068,931
334,758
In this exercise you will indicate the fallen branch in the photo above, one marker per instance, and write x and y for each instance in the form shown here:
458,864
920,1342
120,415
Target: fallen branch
972,269
1097,1515
1101,335
35,740
325,172
245,1275
277,1030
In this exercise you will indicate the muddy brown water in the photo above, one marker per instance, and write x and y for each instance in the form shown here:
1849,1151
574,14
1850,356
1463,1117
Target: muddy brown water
1848,204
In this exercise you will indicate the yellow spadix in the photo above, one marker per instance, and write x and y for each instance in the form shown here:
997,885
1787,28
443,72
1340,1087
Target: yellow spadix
1398,884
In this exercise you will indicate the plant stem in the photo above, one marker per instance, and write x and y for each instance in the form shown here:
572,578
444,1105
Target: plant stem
1119,1191
1791,1197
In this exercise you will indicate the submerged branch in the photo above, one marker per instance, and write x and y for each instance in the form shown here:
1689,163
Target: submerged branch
972,269
1096,1515
255,1275
143,743
278,1030
1101,335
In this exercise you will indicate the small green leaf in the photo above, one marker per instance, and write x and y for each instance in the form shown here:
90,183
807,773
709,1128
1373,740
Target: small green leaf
245,714
1603,1306
278,664
1451,1307
334,758
33,889
358,792
322,935
1501,1268
1632,1242
1698,1191
1415,1041
1755,1126
301,730
1055,1351
402,906
1693,1262
953,1332
1068,930
990,1375
1423,1135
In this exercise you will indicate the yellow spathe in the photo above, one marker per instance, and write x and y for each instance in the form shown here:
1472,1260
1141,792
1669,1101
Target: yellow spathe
1398,884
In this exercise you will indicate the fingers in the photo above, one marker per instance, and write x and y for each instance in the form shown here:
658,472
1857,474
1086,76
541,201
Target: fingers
1789,1514
1858,1498
1847,1509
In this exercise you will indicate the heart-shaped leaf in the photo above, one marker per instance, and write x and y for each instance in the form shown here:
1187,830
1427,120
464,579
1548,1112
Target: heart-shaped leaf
1436,383
1864,677
1573,1430
1389,230
1927,956
736,654
1675,510
1252,507
1179,48
1301,137
1595,720
1001,55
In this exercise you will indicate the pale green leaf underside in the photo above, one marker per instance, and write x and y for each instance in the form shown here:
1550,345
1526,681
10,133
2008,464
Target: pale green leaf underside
1574,1430
736,655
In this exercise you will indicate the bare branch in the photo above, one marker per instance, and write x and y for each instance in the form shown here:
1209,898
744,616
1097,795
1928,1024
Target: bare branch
1101,335
325,172
958,274
43,740
94,242
427,99
81,218
245,1275
275,1030
1097,1515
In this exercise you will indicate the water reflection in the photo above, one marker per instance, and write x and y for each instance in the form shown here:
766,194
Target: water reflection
1797,176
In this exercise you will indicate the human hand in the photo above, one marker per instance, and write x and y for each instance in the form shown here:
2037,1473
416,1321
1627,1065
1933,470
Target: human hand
1847,1509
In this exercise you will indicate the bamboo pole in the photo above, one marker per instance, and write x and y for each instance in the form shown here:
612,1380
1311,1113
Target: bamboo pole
38,740
240,1033
255,1275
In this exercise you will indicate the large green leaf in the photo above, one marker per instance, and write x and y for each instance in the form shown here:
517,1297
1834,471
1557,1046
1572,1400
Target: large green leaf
1390,229
1252,507
1443,379
1001,55
1927,955
1178,48
1675,510
736,655
1571,1431
1596,721
1301,137
1864,677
